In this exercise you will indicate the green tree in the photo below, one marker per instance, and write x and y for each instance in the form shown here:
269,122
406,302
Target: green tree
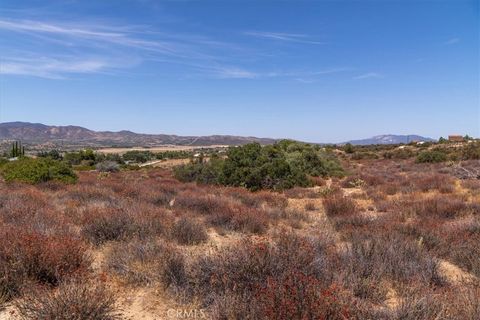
348,148
17,150
279,166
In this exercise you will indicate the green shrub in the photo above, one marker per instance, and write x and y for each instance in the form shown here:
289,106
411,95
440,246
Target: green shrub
138,156
348,148
280,166
200,172
364,155
173,154
54,154
399,154
89,158
431,157
471,151
38,170
84,168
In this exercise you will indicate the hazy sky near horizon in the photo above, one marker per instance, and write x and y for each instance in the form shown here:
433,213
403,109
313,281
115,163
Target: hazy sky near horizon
321,71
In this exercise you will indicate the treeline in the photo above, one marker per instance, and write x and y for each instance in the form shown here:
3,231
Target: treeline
144,156
90,158
283,165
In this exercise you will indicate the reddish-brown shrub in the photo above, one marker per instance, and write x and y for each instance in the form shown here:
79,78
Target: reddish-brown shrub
441,182
201,203
240,218
372,180
339,205
90,193
352,182
317,181
73,300
246,265
301,193
189,232
109,225
26,255
419,306
147,262
463,250
310,206
392,257
471,184
440,206
251,271
298,296
384,205
390,189
257,199
465,302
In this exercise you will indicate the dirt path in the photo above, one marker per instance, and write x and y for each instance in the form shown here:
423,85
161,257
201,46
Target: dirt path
147,304
8,313
454,274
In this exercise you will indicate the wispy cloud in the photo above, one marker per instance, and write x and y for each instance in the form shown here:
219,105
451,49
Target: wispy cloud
451,41
288,37
36,26
80,41
369,75
121,36
234,73
306,76
58,50
52,68
305,80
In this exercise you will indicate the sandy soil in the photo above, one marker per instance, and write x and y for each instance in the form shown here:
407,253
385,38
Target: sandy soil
167,164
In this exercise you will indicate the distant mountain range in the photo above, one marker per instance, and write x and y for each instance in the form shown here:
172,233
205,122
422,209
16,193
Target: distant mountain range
390,139
37,133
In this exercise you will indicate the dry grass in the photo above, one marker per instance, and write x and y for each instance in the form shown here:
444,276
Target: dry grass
73,300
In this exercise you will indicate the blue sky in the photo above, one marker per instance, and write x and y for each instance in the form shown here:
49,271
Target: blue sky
322,71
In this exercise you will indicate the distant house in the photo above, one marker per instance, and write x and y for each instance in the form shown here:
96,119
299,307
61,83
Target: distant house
455,138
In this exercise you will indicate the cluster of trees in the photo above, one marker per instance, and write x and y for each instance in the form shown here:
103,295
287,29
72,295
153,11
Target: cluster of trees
34,170
144,156
17,150
91,158
283,165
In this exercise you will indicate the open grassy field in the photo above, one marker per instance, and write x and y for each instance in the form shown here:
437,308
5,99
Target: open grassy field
394,239
157,149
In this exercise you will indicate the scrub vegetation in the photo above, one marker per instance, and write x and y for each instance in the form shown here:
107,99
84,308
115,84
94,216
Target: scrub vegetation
287,231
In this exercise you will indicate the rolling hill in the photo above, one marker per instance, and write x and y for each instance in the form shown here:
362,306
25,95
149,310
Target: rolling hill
37,133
